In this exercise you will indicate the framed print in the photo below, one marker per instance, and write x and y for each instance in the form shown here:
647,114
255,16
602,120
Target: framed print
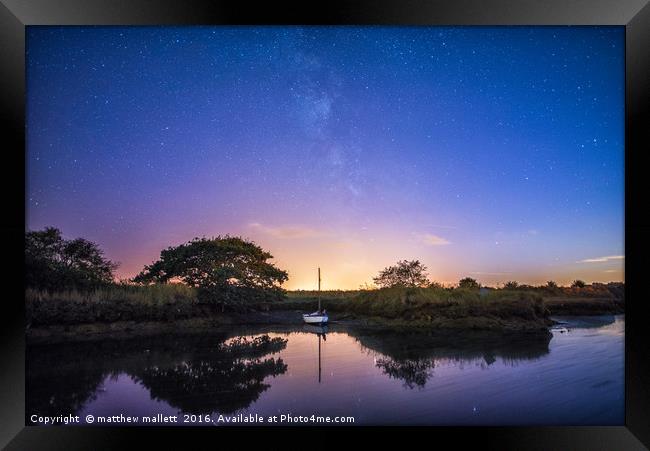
371,217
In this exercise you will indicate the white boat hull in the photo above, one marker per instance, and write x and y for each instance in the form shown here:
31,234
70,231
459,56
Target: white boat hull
315,319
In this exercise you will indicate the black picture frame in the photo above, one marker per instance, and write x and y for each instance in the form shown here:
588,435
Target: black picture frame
634,15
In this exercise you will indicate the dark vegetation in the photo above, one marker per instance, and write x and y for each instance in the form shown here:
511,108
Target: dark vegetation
419,303
436,307
227,271
169,302
71,282
403,274
54,264
468,283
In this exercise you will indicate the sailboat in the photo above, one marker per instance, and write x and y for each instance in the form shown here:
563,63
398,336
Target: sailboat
319,316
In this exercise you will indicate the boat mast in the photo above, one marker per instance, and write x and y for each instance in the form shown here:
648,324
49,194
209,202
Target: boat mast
319,290
319,358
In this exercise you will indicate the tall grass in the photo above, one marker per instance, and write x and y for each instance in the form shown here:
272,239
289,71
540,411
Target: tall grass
148,295
167,302
113,303
426,303
437,306
325,294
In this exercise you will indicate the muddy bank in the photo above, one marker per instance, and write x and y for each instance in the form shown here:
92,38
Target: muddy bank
211,320
584,306
274,319
128,329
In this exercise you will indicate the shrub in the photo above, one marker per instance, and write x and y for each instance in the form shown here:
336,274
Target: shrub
510,285
578,284
470,283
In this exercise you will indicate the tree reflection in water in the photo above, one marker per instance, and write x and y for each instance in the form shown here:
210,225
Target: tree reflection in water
412,372
227,379
212,373
196,374
412,357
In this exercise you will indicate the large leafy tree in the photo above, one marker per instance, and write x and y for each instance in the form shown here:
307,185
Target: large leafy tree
53,263
227,270
405,274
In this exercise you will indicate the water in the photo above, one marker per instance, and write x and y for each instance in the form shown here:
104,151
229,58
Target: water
573,376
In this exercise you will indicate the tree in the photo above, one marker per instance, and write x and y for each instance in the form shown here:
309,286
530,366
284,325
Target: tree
227,270
469,283
511,285
578,284
551,285
53,263
404,274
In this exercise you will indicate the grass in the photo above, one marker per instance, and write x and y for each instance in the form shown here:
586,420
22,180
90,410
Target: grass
431,307
325,294
334,300
113,303
584,306
455,308
146,295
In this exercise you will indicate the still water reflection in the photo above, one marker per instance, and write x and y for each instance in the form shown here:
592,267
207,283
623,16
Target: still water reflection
573,376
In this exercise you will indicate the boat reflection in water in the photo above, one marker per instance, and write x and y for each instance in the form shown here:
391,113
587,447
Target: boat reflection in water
321,331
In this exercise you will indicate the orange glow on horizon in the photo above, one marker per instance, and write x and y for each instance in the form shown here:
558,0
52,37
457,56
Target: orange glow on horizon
350,261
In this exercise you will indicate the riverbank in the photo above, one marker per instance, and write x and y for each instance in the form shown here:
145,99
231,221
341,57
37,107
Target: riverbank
127,311
54,333
584,306
278,321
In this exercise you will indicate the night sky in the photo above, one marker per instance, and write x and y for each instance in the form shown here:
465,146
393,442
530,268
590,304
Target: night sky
495,153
